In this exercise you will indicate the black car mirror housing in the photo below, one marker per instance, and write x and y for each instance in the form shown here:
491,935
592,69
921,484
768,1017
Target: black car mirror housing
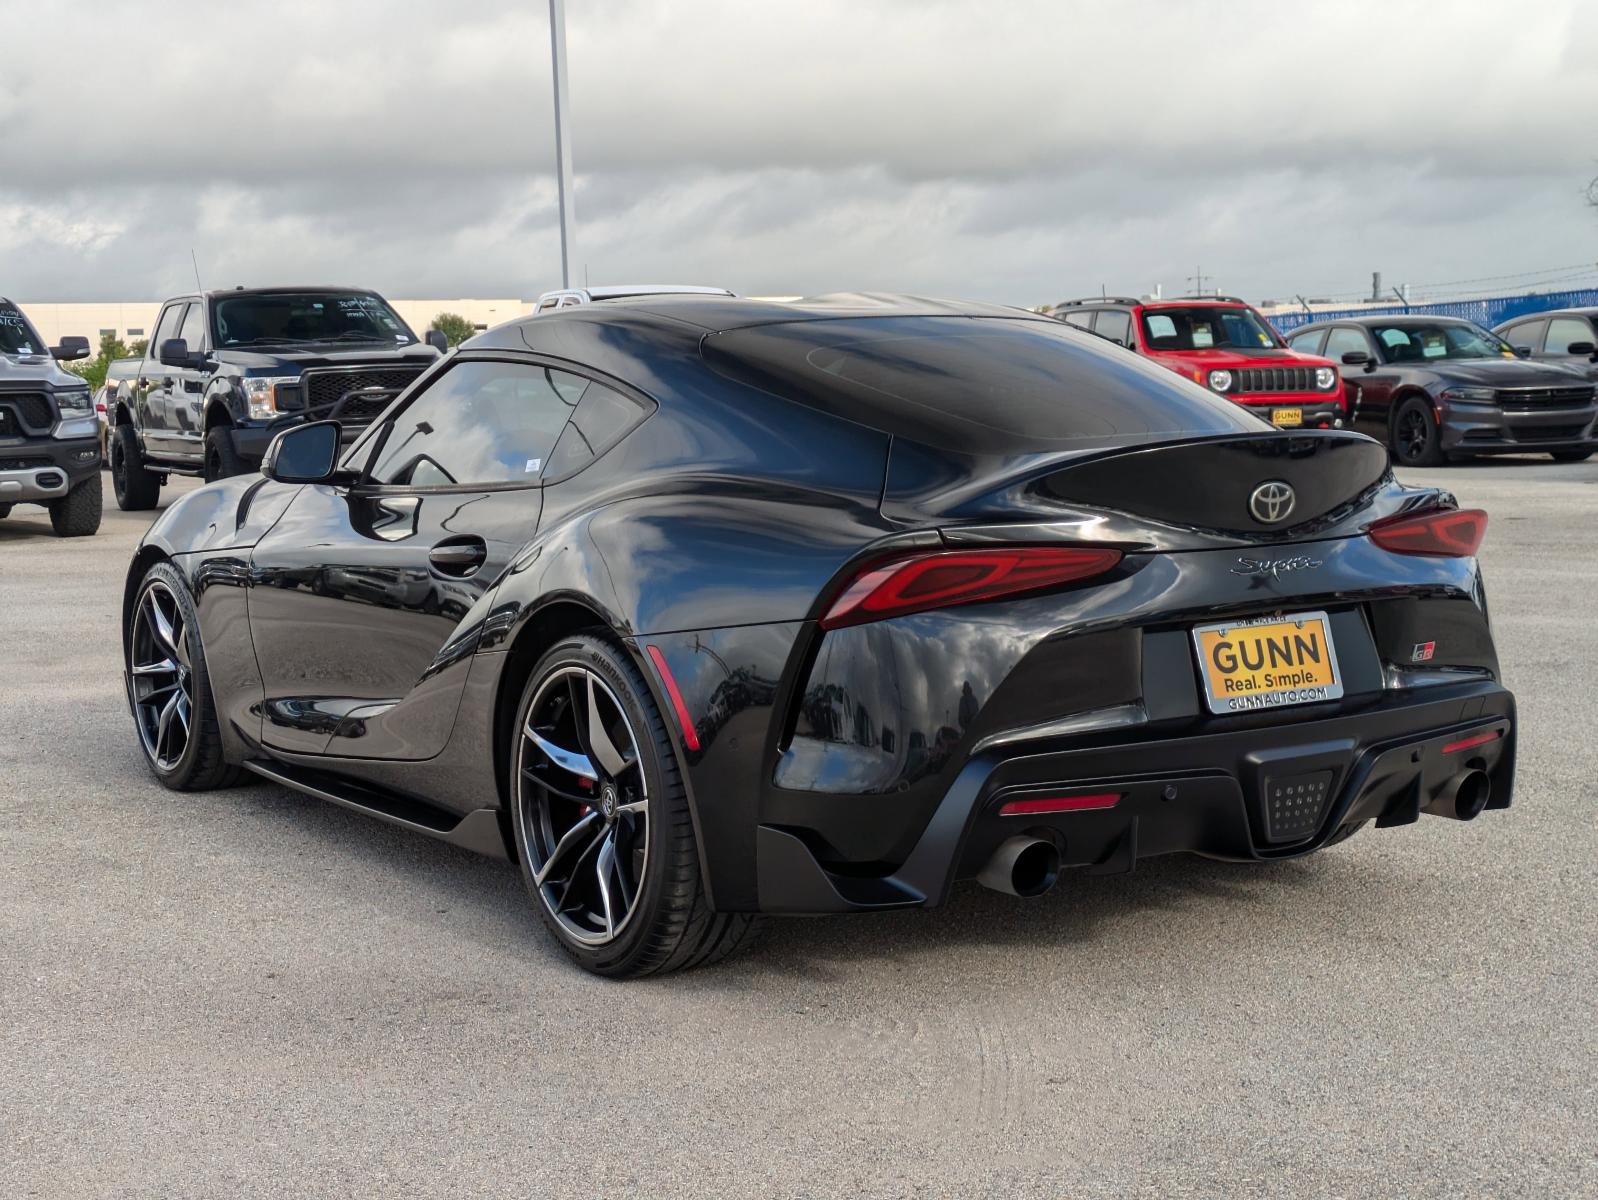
304,454
1522,351
437,340
70,348
175,352
1581,348
1356,358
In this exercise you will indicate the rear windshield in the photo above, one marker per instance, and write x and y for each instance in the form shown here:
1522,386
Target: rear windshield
979,385
284,318
16,335
1412,342
1197,328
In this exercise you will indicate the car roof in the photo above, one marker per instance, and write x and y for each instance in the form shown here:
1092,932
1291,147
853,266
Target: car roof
1552,312
1368,322
314,289
717,313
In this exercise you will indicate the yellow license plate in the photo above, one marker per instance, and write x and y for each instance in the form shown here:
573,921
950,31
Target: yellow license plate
1267,662
1287,416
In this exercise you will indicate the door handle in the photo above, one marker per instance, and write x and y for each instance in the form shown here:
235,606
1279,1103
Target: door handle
458,558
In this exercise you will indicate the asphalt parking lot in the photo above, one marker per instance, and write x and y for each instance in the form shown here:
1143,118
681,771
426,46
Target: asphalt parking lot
251,992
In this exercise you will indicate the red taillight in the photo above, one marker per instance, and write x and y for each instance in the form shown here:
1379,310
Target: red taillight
1059,804
1444,533
690,735
1470,743
947,577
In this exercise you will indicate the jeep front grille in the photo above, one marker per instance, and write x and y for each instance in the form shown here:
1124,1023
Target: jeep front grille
1275,379
353,395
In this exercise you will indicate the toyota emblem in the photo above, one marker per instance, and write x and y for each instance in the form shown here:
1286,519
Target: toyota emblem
1271,502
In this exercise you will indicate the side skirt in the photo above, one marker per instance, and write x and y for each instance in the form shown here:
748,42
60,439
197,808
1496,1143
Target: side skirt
478,831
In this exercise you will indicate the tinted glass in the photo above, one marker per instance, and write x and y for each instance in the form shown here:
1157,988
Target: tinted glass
1424,341
604,416
480,422
284,318
1344,340
1203,327
16,335
1562,331
976,386
1307,343
1526,333
1082,320
1116,326
166,328
192,330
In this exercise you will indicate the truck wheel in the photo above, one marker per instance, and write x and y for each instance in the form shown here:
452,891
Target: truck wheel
77,514
1417,441
137,487
222,461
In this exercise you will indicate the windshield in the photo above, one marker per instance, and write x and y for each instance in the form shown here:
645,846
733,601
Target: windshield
1205,328
16,335
1424,342
278,317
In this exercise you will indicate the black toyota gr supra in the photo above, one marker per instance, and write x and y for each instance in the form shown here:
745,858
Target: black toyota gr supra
700,608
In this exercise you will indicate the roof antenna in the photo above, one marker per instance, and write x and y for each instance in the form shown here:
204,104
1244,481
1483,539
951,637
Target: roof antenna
198,286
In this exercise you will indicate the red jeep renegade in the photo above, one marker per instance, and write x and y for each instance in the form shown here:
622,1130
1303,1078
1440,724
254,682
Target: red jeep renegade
1222,343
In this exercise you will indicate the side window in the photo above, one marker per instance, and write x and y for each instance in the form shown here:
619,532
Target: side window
192,330
1344,340
480,422
1528,334
1115,325
603,417
1562,331
1307,343
1082,320
165,330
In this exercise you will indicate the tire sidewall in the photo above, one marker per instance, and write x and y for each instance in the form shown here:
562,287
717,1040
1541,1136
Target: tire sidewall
185,768
606,661
1432,454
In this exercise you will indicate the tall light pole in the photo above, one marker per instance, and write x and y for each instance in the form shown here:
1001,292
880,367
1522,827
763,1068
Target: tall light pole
563,144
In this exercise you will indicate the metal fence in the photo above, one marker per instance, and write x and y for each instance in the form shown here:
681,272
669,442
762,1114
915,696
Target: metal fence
1486,312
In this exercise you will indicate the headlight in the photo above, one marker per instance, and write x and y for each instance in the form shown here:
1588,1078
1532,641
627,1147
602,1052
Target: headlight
261,392
72,404
1325,378
1221,381
1478,394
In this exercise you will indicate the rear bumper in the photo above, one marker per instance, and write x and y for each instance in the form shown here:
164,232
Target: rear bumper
1208,794
1318,411
1485,429
46,468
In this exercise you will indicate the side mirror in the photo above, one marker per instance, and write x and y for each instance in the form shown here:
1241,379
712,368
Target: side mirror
303,453
175,353
1581,348
70,348
1522,351
1355,358
437,340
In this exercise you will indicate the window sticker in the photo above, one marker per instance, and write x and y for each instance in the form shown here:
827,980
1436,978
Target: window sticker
1202,336
533,464
1161,326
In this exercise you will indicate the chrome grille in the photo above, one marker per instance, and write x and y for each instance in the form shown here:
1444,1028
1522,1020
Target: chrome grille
1275,379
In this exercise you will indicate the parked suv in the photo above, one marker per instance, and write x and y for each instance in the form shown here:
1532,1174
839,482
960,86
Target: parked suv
226,371
1222,343
1440,388
49,450
1565,335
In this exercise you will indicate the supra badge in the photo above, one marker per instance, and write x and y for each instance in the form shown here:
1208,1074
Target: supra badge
1274,567
1272,502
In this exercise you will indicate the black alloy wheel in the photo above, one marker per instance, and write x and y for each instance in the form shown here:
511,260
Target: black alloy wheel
1415,437
601,820
170,689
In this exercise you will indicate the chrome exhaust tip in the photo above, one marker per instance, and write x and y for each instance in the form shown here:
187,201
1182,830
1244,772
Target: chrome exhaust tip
1022,866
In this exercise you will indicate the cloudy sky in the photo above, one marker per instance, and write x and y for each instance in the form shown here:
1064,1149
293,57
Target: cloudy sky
1019,152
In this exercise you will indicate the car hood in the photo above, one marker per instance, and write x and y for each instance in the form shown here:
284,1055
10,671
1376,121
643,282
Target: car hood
293,359
1503,372
34,368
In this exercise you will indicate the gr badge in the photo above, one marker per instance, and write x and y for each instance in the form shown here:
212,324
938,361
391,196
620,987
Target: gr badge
1423,651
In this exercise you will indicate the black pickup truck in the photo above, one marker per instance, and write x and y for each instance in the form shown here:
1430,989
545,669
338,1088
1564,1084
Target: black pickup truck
49,441
227,370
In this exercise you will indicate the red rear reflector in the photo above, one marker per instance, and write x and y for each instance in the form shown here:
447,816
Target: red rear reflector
946,577
690,735
1059,804
1478,739
1443,533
